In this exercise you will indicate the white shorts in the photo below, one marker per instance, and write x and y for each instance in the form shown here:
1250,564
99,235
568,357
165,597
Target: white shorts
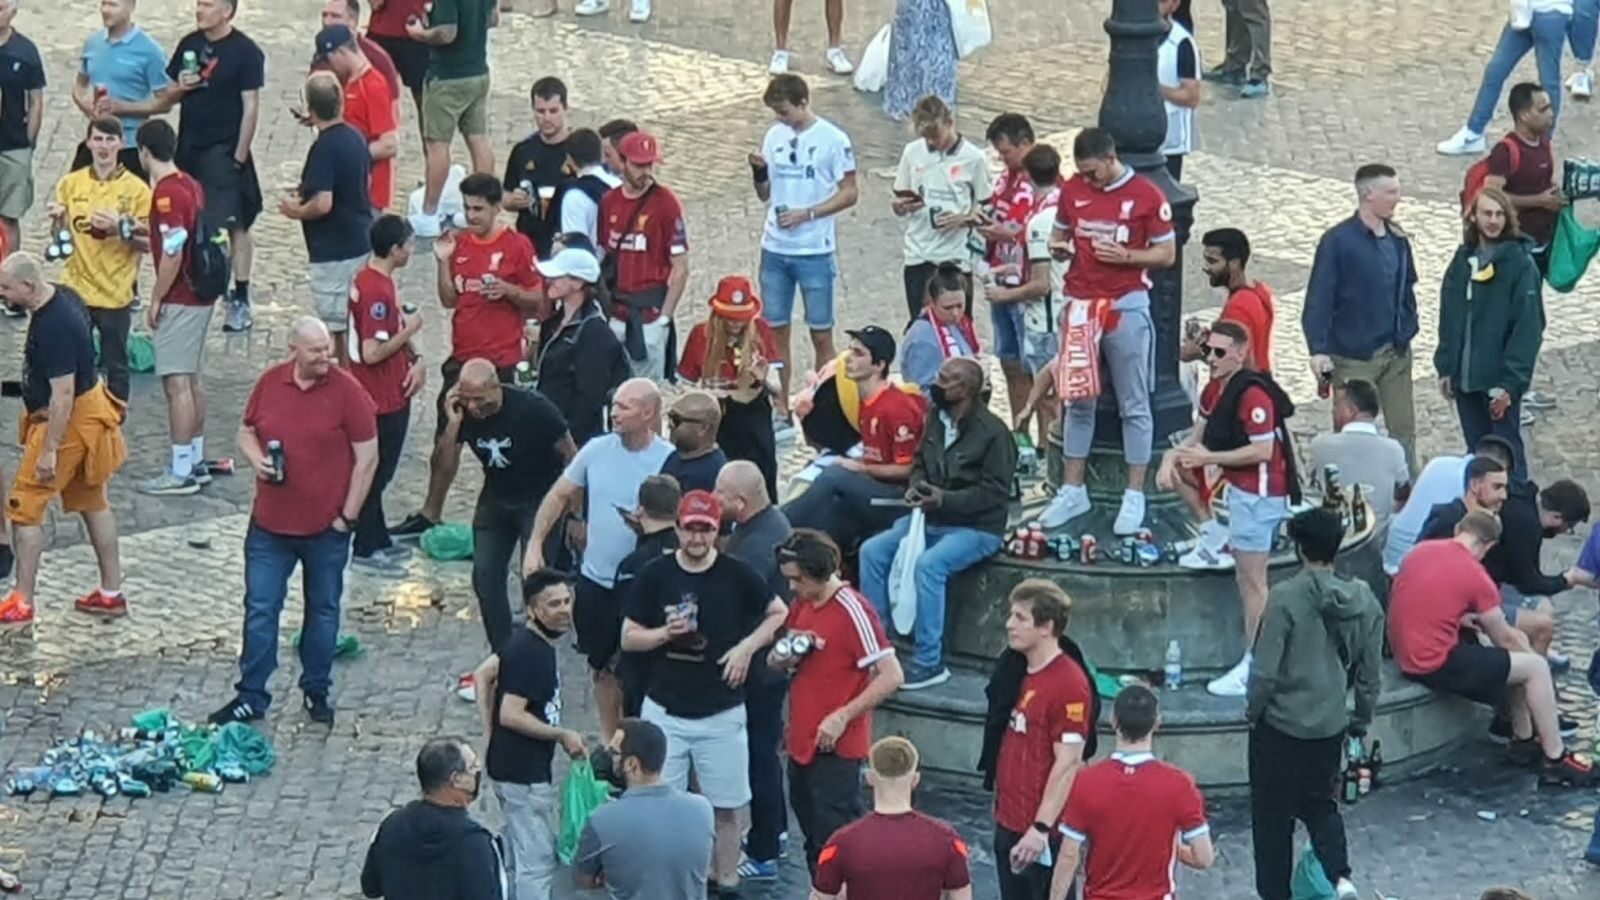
716,747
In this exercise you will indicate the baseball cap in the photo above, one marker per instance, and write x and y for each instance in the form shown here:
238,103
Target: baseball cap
332,38
571,262
700,507
640,149
735,299
879,343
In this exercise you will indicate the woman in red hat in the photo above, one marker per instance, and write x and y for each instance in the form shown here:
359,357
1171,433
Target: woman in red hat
731,355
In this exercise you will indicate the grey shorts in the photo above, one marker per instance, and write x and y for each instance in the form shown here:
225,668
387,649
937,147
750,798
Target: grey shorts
16,183
330,291
180,338
716,748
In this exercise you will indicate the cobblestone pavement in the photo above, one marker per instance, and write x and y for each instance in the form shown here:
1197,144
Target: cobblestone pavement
1359,81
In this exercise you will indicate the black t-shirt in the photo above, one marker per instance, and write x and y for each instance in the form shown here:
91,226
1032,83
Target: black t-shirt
529,669
729,600
755,543
21,71
213,112
58,344
517,446
338,163
698,474
545,165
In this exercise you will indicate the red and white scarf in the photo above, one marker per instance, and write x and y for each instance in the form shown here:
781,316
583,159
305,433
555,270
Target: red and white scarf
1078,366
947,341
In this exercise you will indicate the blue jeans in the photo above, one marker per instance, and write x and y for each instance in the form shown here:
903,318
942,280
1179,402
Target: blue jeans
949,550
814,275
1593,853
1009,330
1546,38
269,560
1585,26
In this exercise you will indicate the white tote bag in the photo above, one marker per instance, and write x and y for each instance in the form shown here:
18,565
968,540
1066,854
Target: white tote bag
872,73
903,574
969,19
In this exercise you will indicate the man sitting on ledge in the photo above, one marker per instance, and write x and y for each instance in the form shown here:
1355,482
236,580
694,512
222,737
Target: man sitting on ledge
1440,603
961,480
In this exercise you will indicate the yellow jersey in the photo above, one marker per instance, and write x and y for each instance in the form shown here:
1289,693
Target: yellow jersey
103,269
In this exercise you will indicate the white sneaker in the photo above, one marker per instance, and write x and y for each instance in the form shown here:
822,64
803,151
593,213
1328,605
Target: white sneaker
1206,558
1462,143
779,64
1581,84
467,688
1130,518
1070,502
838,62
1233,684
1344,890
592,7
640,12
425,225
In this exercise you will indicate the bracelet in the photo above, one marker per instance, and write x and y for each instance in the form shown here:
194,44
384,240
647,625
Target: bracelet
1041,827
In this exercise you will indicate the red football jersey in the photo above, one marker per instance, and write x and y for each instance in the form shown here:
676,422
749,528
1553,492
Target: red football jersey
852,641
1254,308
491,329
1052,708
375,314
1013,203
692,364
892,422
1132,212
1260,421
910,856
1133,810
645,233
370,109
175,204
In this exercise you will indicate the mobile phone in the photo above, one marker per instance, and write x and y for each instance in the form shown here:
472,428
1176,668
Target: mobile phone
10,388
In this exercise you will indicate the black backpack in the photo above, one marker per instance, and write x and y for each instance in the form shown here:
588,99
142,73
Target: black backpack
210,266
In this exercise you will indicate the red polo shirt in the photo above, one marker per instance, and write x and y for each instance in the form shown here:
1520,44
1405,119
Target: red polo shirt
852,641
317,427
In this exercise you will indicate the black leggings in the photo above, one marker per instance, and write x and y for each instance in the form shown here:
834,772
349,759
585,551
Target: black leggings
372,529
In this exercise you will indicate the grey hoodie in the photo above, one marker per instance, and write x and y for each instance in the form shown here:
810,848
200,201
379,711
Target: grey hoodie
1319,626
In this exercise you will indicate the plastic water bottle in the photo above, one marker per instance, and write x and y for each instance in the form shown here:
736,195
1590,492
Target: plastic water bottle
1173,671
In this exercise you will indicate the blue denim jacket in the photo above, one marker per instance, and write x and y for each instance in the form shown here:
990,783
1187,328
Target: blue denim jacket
1348,311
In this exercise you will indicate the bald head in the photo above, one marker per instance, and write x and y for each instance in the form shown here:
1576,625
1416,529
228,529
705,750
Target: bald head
478,373
310,348
693,423
479,390
22,283
636,409
958,386
967,370
742,491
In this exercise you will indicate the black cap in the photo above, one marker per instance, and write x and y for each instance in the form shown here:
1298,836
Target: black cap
332,38
879,343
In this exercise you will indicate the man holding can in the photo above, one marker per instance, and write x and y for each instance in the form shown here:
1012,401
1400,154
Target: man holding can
310,433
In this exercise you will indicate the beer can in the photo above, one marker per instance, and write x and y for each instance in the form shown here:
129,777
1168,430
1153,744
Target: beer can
1130,550
1064,549
1086,549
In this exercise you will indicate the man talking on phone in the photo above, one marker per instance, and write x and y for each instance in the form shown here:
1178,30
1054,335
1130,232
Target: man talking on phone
961,480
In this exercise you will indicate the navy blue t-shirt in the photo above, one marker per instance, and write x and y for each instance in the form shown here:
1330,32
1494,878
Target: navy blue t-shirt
698,474
58,344
338,162
21,71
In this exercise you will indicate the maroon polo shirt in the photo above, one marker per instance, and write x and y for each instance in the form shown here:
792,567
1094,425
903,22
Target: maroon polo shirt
317,426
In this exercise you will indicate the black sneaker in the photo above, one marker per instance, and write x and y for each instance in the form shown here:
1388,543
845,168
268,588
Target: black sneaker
318,708
1500,731
412,528
1568,771
918,677
237,710
7,560
1525,753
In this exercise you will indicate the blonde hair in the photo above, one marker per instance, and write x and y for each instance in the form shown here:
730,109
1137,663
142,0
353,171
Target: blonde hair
720,342
893,757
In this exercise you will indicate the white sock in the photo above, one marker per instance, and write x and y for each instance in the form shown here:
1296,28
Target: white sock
198,448
182,460
111,593
1133,494
1244,664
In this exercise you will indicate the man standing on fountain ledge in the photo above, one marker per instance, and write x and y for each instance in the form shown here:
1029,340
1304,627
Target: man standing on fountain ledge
1116,226
1322,632
1242,429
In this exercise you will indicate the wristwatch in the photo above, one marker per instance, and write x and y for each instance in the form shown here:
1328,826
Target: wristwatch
1041,827
348,522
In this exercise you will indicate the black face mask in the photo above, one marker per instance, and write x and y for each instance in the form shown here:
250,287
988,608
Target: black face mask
1553,532
547,632
607,767
938,396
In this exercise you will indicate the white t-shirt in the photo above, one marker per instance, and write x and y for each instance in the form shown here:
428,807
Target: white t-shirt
1178,58
953,182
618,473
1444,479
805,168
1043,316
578,212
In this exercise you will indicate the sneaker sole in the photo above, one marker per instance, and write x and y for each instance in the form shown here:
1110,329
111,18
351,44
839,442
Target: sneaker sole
101,613
185,491
13,627
922,685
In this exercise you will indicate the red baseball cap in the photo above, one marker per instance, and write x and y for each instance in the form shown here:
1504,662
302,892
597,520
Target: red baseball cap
639,148
700,507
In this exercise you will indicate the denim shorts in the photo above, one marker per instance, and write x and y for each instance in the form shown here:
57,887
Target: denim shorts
1038,349
1253,520
813,274
1009,330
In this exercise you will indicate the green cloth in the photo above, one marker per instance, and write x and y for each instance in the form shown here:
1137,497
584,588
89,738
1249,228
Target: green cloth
581,794
447,541
153,721
141,352
237,744
1571,250
1490,331
468,55
199,749
1315,622
1309,881
348,646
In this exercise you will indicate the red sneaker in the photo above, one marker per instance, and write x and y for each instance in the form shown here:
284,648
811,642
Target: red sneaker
99,603
15,612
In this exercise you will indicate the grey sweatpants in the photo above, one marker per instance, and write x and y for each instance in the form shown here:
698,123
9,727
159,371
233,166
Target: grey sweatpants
1128,353
532,821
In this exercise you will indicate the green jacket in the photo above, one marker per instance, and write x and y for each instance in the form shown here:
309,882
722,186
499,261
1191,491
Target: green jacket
974,472
1322,633
1490,331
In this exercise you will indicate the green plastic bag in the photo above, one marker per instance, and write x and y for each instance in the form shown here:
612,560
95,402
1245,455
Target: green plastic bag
1573,246
447,541
237,744
1309,881
581,794
141,352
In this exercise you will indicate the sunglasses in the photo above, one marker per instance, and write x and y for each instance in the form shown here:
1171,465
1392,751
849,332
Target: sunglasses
676,419
1216,352
794,151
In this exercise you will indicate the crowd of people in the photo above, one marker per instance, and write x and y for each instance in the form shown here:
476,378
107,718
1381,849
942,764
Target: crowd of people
714,605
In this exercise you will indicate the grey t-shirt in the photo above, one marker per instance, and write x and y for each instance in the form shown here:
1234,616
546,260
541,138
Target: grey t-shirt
1364,457
755,544
652,843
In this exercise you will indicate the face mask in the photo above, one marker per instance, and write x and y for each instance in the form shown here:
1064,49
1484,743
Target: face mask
549,633
607,767
938,396
1552,532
